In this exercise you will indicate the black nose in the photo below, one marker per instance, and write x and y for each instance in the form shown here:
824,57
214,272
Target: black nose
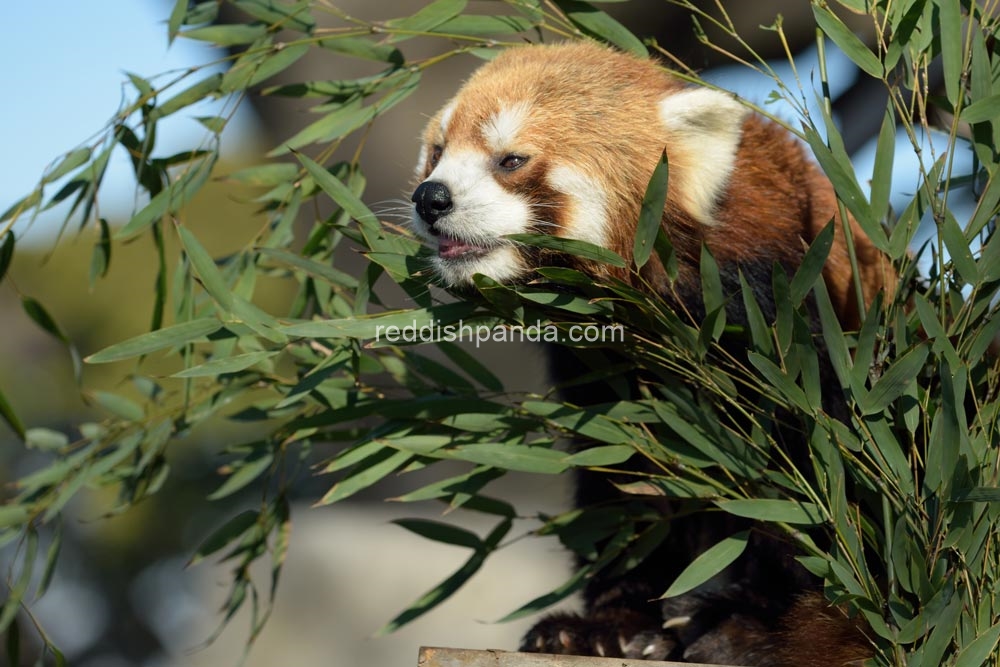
433,200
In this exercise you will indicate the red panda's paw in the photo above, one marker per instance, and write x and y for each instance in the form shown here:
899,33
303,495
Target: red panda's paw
611,633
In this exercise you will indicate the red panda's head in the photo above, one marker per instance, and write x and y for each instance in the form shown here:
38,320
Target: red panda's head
562,140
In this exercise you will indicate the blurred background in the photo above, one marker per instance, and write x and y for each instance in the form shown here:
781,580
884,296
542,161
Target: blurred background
122,594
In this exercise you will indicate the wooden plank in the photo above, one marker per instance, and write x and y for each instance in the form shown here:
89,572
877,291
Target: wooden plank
431,656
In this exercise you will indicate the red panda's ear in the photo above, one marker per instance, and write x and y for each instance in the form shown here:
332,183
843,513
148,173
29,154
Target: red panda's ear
704,128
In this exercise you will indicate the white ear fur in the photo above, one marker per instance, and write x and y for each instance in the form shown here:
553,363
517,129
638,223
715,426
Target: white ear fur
705,127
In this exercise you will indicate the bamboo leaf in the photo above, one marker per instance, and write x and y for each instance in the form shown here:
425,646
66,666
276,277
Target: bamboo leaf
170,199
256,67
393,327
117,405
45,439
425,20
713,561
979,650
178,334
211,278
441,532
848,42
360,47
6,253
69,162
9,416
191,95
949,17
651,214
596,23
607,455
227,35
986,109
571,247
40,316
246,471
811,268
225,534
341,194
895,381
484,26
223,365
436,595
767,509
885,154
370,471
513,457
177,15
295,16
17,590
338,123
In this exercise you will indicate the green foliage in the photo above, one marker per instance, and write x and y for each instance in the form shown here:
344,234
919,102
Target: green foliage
905,491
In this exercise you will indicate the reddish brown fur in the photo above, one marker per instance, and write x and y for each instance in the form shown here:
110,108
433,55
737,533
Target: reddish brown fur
596,109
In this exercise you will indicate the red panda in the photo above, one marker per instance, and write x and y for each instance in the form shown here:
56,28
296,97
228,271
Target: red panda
562,140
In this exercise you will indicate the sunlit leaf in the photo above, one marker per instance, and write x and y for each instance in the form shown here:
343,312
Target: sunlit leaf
45,439
232,364
294,16
68,163
570,246
425,20
651,214
848,42
169,200
211,277
245,472
191,95
178,334
596,23
226,35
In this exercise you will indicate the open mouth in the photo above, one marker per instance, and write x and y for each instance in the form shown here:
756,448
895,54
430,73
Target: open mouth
452,248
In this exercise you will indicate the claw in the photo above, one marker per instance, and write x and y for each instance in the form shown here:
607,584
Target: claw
600,649
565,639
676,622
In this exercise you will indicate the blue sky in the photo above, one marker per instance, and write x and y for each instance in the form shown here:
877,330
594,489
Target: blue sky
62,74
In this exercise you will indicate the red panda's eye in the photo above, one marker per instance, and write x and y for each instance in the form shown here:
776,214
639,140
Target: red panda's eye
512,162
436,155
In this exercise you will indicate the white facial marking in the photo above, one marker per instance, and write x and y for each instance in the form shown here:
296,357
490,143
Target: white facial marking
446,115
588,210
501,129
706,125
418,172
482,212
503,265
